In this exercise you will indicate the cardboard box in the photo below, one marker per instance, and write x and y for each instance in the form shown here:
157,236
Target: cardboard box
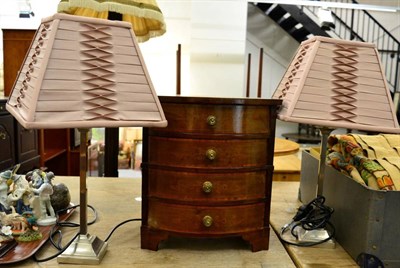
366,220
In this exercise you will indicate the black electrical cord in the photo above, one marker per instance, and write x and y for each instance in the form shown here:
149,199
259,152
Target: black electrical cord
56,231
59,224
314,215
118,225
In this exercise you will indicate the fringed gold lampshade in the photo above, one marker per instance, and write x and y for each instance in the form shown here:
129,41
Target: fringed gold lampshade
145,16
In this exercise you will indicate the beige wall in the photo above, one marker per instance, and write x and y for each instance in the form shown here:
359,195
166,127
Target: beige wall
212,39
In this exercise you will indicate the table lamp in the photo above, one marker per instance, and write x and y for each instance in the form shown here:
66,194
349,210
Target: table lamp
83,73
145,16
333,83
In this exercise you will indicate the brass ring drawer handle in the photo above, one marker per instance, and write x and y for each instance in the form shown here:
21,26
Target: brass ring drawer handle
211,120
207,187
3,135
211,154
207,221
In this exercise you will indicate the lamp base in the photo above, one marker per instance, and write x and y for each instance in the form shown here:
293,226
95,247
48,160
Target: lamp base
315,236
85,249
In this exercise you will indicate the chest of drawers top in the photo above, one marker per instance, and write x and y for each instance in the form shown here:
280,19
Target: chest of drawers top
218,116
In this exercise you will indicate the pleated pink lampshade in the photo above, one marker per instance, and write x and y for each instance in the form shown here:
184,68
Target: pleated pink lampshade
339,84
84,72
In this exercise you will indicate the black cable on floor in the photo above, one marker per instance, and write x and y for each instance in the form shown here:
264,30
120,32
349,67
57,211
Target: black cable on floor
314,215
118,225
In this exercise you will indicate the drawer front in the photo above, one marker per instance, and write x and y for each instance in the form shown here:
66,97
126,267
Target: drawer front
208,153
3,107
28,145
222,119
207,187
205,220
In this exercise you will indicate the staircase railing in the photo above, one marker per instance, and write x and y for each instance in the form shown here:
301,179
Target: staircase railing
355,24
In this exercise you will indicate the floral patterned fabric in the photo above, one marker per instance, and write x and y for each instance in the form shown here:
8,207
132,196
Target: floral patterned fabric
371,160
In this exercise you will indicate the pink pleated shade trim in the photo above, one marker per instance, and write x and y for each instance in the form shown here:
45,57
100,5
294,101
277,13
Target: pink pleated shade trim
339,84
84,72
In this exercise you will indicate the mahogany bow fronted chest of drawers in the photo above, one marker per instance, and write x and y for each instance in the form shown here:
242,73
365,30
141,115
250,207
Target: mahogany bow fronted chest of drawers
209,172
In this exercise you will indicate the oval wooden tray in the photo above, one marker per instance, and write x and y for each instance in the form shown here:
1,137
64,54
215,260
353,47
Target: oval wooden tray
25,250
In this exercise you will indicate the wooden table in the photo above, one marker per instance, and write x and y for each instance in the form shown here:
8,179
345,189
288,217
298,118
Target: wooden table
286,168
118,199
302,138
283,207
285,147
286,162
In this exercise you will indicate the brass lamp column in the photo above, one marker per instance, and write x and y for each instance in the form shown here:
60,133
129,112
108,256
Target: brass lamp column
85,249
325,131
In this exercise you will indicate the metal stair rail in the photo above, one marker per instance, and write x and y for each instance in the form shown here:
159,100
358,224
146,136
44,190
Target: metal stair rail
360,25
293,20
350,24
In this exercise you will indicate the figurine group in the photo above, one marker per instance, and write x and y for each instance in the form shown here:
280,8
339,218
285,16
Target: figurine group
27,195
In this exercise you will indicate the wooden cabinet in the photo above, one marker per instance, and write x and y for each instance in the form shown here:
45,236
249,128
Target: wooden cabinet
27,150
18,145
15,45
7,152
56,151
209,173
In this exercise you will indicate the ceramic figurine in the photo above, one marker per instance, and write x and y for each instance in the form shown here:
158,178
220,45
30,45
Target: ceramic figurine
17,222
20,193
5,176
19,226
44,211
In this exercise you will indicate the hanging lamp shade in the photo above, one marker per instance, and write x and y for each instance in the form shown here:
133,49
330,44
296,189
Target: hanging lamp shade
339,84
145,16
82,73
